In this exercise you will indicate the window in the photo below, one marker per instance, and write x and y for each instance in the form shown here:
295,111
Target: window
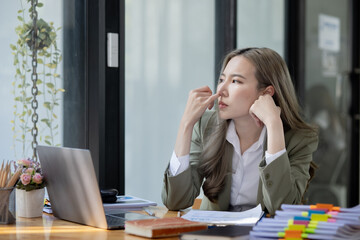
260,23
16,109
169,51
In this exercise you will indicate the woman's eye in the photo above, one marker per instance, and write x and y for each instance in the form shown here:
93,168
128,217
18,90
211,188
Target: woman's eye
236,81
221,80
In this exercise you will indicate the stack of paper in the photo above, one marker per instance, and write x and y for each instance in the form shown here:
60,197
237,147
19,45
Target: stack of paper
245,218
129,203
321,221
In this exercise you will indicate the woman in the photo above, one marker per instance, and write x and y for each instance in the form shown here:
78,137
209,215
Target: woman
255,148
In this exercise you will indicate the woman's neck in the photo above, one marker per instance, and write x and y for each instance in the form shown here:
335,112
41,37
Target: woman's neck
247,132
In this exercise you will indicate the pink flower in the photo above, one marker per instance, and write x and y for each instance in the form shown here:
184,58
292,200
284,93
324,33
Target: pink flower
37,178
24,162
29,171
25,178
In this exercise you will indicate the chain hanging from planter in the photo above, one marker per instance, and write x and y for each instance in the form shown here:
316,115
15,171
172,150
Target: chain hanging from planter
34,77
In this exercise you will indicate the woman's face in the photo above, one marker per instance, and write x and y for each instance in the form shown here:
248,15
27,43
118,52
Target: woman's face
237,88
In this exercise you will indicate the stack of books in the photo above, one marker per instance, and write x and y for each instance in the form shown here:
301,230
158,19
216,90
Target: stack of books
320,221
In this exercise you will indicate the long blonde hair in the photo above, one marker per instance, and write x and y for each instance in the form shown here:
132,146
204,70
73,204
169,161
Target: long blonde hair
272,70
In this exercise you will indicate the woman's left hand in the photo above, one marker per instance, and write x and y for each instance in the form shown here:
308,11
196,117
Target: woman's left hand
264,110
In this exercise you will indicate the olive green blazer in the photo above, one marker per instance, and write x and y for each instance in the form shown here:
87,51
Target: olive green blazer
282,181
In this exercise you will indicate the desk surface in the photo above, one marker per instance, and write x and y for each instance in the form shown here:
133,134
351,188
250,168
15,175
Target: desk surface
49,227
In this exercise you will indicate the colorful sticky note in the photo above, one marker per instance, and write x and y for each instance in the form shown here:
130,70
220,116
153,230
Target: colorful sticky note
319,217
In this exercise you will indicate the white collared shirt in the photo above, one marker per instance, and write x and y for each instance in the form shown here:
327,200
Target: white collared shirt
245,174
245,168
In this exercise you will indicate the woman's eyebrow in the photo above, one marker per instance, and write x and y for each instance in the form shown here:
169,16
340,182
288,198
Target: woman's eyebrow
234,75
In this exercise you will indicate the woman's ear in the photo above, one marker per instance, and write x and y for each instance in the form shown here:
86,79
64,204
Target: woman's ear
269,90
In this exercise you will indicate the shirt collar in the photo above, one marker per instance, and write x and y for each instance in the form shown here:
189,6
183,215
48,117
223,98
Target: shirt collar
232,137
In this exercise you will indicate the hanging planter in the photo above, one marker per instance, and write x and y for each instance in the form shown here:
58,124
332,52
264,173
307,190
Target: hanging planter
36,58
36,84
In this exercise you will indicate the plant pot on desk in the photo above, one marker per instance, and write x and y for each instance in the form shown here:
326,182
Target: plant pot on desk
29,203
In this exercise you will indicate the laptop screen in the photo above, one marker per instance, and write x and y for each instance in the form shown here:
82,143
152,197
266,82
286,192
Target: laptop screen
72,185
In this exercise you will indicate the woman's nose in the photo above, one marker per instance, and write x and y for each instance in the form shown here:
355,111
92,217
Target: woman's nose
222,89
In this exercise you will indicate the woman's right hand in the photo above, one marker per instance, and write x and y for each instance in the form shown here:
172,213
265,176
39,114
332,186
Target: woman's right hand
198,101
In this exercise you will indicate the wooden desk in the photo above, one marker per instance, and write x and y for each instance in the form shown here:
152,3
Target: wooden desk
49,227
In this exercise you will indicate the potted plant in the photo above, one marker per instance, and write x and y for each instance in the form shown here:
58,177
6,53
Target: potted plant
36,98
30,189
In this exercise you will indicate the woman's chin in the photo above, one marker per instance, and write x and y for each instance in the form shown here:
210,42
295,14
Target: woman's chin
223,116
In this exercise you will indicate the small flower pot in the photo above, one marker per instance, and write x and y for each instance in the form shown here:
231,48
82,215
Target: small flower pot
29,204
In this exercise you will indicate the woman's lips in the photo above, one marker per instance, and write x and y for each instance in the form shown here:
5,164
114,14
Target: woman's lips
222,105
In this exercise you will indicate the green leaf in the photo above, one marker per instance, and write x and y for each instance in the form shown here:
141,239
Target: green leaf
47,124
48,142
50,85
20,18
47,105
13,47
51,65
42,36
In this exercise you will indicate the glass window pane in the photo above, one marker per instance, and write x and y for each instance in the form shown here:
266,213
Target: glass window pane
15,77
60,66
260,23
327,54
169,51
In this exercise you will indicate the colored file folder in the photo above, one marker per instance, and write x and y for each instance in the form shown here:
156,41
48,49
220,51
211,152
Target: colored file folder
321,221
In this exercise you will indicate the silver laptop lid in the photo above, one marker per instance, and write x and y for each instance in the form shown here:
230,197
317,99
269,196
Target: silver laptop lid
72,185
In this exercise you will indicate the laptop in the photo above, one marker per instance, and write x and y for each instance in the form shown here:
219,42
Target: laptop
73,189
